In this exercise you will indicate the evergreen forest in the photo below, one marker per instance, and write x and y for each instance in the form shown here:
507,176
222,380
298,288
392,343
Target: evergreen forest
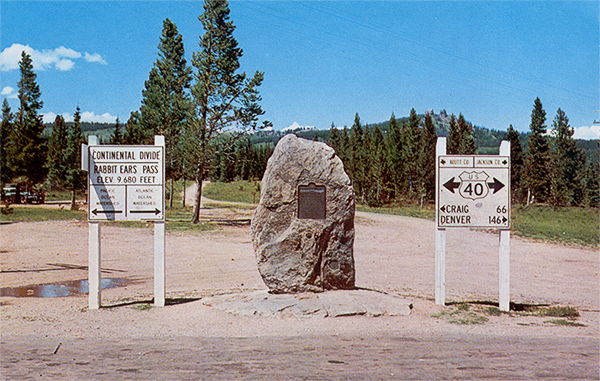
211,117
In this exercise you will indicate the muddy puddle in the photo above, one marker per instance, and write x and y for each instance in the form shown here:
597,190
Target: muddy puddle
55,290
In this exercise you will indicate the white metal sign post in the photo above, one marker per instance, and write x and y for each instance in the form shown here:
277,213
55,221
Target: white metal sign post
125,183
473,192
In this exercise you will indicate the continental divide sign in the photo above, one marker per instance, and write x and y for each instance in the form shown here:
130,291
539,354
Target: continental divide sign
473,191
126,183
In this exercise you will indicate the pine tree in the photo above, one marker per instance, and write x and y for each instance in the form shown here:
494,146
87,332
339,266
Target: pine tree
5,142
568,164
590,183
516,162
116,137
166,104
222,98
411,138
378,174
394,155
454,137
364,164
466,144
427,157
356,156
334,139
344,152
75,178
56,154
134,133
26,154
537,174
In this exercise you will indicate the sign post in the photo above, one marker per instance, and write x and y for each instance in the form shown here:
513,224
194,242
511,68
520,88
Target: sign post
94,264
473,191
159,246
125,182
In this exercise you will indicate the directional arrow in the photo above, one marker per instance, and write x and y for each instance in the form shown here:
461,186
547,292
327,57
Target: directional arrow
505,162
443,161
496,185
443,208
96,211
451,185
504,219
155,211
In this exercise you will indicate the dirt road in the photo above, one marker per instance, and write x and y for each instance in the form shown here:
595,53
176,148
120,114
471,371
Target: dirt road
187,339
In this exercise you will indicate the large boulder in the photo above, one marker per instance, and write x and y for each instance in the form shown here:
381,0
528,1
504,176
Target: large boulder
303,227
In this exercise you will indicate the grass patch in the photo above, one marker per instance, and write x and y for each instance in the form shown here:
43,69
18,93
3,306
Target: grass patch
416,211
236,191
64,195
34,213
462,315
554,311
565,322
565,225
142,307
493,311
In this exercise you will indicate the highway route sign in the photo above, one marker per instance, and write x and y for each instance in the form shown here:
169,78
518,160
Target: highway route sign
126,183
473,191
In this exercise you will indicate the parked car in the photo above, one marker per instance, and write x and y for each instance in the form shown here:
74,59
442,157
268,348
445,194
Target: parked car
10,194
34,197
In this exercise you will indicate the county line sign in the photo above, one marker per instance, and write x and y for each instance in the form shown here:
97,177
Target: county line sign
473,191
126,183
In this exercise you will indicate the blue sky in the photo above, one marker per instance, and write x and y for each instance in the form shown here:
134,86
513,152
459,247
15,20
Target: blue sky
324,61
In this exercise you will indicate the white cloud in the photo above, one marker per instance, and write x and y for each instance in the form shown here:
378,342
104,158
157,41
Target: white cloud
88,116
295,126
94,58
60,58
50,116
9,92
587,133
64,65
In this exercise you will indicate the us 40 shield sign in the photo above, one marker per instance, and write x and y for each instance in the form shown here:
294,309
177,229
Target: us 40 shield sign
473,191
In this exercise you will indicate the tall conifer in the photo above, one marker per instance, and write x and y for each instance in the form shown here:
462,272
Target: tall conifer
75,177
568,164
466,142
55,160
411,139
394,155
537,174
334,139
26,154
223,99
454,137
166,104
5,141
516,162
427,157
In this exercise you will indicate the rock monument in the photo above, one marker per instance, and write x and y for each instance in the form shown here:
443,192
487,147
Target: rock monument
303,227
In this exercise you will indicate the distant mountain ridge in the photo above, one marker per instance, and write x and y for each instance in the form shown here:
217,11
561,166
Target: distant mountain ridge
487,140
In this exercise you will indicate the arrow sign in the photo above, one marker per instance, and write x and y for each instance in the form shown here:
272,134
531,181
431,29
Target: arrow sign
155,211
96,211
496,185
443,208
504,219
451,185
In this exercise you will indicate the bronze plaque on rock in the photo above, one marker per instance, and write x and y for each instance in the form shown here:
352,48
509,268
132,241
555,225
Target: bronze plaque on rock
311,202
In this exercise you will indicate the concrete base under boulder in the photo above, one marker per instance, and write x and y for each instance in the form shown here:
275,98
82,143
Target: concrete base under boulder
307,304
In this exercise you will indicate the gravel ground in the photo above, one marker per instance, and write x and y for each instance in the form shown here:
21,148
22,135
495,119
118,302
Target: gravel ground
59,338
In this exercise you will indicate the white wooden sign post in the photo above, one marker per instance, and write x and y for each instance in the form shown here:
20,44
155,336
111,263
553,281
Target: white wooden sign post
125,182
473,191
